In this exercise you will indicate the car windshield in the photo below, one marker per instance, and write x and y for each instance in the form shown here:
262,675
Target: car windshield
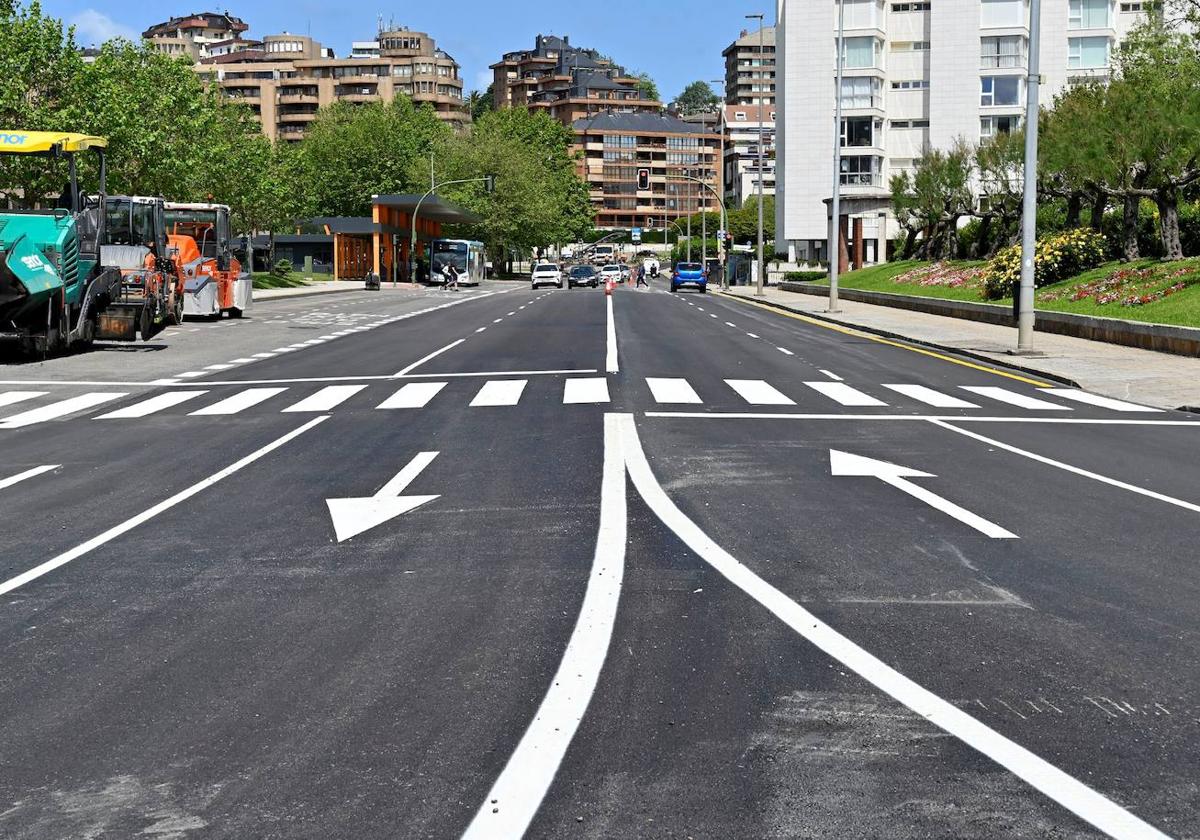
546,267
582,271
688,267
612,268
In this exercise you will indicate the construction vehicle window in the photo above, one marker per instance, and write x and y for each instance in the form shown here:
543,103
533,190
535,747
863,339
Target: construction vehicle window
117,229
143,225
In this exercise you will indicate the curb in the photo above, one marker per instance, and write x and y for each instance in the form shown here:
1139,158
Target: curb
956,351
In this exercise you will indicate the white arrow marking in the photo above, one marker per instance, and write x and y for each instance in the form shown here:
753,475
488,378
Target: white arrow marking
845,464
352,517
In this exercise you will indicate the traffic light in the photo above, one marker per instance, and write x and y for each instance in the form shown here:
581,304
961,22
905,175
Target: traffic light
643,179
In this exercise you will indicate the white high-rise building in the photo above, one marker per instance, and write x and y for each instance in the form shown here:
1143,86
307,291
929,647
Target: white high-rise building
918,75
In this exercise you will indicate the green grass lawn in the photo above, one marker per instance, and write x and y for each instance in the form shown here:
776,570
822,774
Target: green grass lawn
883,278
266,280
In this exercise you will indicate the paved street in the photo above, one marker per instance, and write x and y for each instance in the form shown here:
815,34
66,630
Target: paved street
505,562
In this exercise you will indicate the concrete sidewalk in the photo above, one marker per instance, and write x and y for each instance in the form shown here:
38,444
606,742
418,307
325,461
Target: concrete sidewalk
321,287
1158,379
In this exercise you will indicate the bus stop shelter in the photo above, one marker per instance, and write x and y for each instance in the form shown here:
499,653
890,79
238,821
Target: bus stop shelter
392,219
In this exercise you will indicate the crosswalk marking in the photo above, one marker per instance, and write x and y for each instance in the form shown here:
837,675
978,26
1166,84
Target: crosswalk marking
152,406
14,397
59,409
325,399
844,394
673,391
500,392
238,402
23,476
589,391
758,392
1100,402
413,395
930,397
1013,398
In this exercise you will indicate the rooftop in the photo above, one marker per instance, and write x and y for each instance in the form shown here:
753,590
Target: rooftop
642,123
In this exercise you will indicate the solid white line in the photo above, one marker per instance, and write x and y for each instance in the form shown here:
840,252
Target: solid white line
14,397
1069,792
832,376
326,399
1112,482
238,402
151,406
1102,402
413,395
514,799
673,391
19,477
785,351
1013,398
758,392
930,397
585,391
432,355
57,410
499,393
407,475
844,394
151,513
1043,421
612,362
983,526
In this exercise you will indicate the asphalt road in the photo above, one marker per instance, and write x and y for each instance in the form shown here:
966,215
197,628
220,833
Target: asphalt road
508,563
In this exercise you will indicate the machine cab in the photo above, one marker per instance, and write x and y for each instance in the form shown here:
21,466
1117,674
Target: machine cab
135,233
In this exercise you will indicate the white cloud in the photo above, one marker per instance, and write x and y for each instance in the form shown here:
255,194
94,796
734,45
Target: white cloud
93,28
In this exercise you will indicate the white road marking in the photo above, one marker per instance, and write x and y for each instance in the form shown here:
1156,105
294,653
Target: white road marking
192,374
785,351
832,375
1112,482
752,335
1013,398
431,356
149,514
612,361
413,395
730,324
266,355
930,397
152,405
14,397
758,392
673,391
23,476
909,418
241,361
580,391
326,399
500,392
352,517
1067,791
59,409
712,315
238,402
514,799
844,394
1101,402
481,329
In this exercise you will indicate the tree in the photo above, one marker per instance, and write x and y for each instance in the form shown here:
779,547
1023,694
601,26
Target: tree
929,202
743,222
480,102
647,86
999,163
697,98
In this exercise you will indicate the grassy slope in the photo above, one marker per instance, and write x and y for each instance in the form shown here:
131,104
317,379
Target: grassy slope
264,280
881,278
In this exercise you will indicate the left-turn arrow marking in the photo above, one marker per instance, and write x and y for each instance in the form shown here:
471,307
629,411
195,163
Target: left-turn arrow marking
352,517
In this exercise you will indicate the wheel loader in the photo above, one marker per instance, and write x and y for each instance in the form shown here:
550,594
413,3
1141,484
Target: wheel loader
202,241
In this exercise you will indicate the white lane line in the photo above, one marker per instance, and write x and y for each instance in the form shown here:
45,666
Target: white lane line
612,361
731,324
23,476
14,397
758,392
930,397
59,409
240,361
326,399
1042,459
585,391
844,394
712,315
266,355
497,321
152,512
673,391
413,395
481,329
151,406
500,392
1078,798
1013,398
431,356
192,374
238,402
752,335
785,351
510,314
909,418
514,799
831,375
1101,402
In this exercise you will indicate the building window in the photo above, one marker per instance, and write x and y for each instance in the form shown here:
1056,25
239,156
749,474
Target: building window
861,171
621,141
1000,90
740,116
909,124
860,131
1091,53
1002,13
910,46
911,84
1134,7
863,14
1087,14
860,53
1001,124
910,7
1002,53
862,92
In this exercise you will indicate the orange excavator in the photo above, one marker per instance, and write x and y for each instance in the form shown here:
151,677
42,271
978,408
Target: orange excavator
135,241
202,245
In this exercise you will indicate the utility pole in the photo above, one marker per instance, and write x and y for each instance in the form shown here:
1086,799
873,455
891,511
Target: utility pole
762,266
691,189
835,226
1025,296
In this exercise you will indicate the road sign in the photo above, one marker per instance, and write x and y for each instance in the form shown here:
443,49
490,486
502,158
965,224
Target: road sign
637,235
352,517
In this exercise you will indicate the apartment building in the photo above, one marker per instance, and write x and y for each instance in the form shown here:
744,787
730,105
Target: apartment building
750,68
743,127
918,75
193,35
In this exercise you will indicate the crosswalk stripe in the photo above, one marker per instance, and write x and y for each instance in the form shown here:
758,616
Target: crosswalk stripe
325,399
413,395
23,476
844,394
673,391
238,402
14,397
1100,402
58,409
930,397
500,392
581,391
152,405
758,392
1013,398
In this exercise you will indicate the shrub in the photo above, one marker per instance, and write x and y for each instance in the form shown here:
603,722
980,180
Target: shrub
282,269
805,276
1056,258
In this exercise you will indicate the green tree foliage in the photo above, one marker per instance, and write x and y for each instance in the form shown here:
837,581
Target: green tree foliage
480,102
1000,165
648,87
929,202
697,98
743,222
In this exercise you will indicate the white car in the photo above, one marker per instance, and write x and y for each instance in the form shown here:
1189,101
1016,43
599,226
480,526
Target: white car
547,274
651,266
612,272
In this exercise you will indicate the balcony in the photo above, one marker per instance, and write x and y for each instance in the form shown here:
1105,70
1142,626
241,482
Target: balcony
299,98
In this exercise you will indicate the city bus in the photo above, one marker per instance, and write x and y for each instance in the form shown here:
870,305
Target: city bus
466,256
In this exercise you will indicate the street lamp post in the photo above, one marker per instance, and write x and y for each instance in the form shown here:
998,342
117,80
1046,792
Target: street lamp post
835,206
488,180
1025,295
724,214
762,51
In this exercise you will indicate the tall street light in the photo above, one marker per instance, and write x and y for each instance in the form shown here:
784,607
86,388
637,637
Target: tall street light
762,52
718,170
1025,297
489,182
835,226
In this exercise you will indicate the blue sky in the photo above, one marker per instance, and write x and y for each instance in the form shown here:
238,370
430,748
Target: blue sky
676,41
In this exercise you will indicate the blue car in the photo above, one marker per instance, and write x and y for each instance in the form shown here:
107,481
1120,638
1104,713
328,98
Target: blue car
689,274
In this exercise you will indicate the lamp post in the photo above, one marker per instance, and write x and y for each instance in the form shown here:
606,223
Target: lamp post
490,183
762,51
724,215
1025,297
835,228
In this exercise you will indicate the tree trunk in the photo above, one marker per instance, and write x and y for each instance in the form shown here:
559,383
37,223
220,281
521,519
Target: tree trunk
1167,200
1129,229
1074,209
950,250
910,244
983,247
1099,205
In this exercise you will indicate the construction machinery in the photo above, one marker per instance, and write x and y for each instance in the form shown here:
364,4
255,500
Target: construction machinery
202,241
135,242
60,286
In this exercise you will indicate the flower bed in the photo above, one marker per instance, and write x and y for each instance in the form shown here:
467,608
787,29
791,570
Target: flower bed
1131,286
1056,258
943,274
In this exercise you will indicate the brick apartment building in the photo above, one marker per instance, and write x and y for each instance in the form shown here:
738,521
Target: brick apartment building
750,68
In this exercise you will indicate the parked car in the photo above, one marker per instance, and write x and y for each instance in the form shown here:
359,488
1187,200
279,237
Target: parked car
613,272
626,273
650,264
583,275
547,274
689,274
